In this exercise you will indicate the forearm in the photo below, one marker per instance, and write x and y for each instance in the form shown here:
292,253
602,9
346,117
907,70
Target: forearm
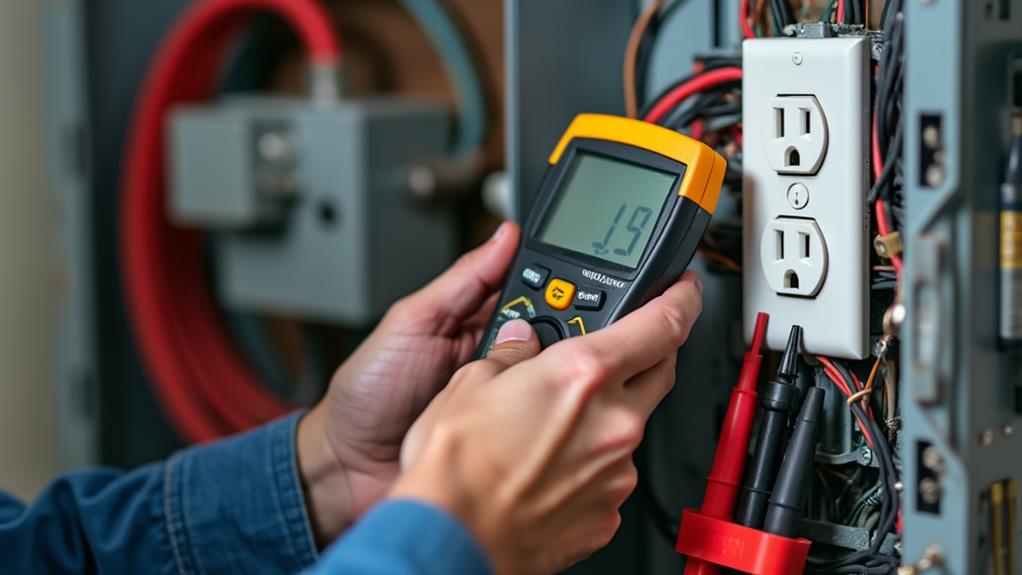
226,507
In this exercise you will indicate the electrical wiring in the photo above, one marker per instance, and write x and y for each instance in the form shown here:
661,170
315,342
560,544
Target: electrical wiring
204,386
457,60
743,16
697,83
635,39
647,46
828,14
841,13
870,560
781,15
887,129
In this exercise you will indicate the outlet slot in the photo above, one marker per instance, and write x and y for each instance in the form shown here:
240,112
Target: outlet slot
1004,10
779,123
791,280
779,249
805,245
792,159
807,122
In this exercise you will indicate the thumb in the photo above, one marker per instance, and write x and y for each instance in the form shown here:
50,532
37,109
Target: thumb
515,342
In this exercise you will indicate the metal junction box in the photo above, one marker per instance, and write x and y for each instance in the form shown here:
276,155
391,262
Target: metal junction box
311,203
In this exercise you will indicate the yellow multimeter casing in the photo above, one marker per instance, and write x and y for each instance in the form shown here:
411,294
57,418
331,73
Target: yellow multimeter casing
620,212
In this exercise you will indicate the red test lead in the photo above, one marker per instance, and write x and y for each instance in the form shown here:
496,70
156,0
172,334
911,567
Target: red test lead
724,481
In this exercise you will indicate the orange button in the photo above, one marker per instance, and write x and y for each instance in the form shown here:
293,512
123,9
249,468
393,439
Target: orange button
559,294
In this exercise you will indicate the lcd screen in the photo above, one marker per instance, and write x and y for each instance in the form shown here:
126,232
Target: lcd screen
607,209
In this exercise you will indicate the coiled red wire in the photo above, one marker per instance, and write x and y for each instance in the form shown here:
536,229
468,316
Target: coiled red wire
200,379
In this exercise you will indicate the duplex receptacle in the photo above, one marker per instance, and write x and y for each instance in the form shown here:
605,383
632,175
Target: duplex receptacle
806,132
793,255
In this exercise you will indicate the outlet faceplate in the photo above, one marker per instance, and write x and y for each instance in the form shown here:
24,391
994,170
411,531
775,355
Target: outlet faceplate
810,97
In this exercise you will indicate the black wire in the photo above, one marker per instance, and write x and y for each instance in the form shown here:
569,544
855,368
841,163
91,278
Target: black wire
709,64
870,560
647,46
709,104
781,15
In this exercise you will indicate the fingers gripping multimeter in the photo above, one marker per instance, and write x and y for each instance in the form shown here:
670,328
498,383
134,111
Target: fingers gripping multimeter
620,213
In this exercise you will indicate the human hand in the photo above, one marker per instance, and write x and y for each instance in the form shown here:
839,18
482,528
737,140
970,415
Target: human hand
533,453
349,443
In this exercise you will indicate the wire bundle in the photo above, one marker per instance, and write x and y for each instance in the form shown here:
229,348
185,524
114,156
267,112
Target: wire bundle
871,560
888,136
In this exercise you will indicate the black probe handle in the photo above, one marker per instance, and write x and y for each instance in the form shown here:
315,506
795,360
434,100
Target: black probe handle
791,489
777,403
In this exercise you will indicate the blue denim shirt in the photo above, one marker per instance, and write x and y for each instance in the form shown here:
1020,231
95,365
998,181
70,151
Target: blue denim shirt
233,506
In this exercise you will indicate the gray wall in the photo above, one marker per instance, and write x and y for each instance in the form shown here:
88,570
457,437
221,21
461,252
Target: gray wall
29,279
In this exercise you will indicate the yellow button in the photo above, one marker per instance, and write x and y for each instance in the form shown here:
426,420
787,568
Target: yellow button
559,294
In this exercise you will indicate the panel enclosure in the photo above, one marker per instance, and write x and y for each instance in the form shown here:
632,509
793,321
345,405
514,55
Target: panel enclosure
958,385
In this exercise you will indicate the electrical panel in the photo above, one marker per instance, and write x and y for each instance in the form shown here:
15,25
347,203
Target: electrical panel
805,109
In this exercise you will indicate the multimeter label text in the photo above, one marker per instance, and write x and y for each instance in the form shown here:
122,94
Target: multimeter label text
602,278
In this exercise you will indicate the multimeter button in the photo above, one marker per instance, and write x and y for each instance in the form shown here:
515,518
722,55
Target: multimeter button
548,331
576,327
589,299
535,276
559,294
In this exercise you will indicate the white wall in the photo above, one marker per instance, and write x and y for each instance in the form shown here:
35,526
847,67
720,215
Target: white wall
29,280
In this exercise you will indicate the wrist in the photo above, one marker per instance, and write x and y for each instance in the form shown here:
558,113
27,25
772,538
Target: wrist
437,479
324,479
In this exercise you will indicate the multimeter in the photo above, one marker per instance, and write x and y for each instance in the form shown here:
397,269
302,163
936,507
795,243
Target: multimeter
620,213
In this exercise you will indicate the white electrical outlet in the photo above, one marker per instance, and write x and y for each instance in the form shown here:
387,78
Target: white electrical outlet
798,142
793,254
806,244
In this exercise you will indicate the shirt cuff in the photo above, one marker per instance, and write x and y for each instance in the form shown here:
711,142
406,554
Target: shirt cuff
406,537
236,506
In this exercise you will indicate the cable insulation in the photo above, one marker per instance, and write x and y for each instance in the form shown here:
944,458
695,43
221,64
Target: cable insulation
696,84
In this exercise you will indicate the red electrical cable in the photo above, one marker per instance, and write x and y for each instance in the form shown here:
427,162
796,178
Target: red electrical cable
879,206
202,382
841,11
725,476
747,30
700,83
835,376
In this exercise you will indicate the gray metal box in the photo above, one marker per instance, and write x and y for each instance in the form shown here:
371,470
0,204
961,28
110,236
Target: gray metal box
232,165
350,241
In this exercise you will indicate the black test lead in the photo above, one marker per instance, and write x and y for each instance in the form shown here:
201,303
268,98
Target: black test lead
791,489
777,400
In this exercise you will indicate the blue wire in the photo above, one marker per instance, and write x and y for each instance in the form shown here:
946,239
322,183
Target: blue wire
461,70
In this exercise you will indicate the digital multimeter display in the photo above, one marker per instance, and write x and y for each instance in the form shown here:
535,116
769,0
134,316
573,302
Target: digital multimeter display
607,209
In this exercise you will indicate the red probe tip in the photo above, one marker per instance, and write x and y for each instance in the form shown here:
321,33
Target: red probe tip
759,334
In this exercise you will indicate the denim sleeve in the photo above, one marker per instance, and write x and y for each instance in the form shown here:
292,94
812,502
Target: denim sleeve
233,506
405,538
